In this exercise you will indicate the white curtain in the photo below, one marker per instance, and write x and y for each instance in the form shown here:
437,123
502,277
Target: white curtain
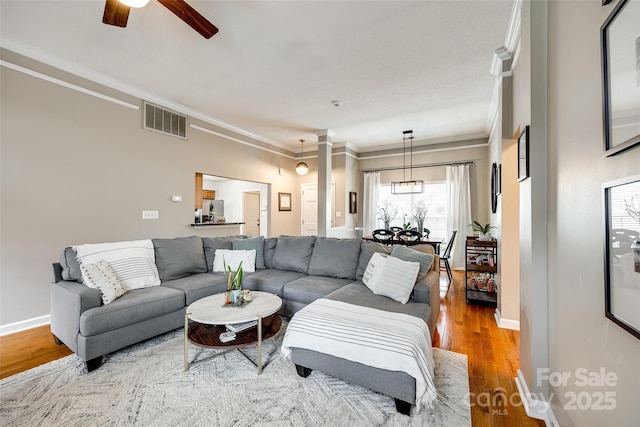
458,211
370,202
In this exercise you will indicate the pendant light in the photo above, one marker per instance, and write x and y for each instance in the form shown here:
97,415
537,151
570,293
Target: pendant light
301,167
405,186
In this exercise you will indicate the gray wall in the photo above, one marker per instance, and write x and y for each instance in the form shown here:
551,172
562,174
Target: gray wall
78,169
578,334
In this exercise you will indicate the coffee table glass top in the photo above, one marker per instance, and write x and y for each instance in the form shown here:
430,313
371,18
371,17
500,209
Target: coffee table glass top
210,310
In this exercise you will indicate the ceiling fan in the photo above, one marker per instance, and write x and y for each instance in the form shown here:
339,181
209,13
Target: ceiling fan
116,12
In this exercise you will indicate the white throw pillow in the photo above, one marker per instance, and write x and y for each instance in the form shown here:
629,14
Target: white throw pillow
133,262
233,259
373,272
398,279
99,275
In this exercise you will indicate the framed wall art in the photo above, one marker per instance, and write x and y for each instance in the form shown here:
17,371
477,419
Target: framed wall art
622,252
620,47
353,202
523,154
495,187
284,201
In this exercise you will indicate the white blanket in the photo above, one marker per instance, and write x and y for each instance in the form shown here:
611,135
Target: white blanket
377,338
134,262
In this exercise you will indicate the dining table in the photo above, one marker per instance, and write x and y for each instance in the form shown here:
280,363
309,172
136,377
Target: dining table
434,241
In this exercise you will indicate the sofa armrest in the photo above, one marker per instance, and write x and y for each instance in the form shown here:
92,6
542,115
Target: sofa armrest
435,265
427,291
68,301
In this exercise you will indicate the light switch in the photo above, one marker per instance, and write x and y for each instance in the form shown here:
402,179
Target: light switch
176,199
150,215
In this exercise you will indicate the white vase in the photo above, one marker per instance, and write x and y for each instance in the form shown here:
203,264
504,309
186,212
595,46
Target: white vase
484,237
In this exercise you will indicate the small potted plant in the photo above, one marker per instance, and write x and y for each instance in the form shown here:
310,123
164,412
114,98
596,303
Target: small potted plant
484,231
234,282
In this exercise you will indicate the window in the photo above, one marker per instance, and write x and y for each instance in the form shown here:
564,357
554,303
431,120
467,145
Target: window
433,196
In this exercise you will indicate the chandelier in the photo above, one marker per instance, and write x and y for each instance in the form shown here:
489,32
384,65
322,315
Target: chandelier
411,185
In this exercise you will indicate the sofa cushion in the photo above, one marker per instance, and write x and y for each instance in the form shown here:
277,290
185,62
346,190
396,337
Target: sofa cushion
133,307
309,288
210,245
357,293
335,258
293,253
70,265
270,280
269,249
256,243
407,254
100,276
196,286
179,257
367,249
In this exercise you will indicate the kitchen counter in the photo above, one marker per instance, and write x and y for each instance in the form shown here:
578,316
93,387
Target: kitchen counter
206,224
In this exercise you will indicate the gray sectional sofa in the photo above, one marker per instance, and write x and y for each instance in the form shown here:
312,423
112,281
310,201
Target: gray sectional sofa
299,269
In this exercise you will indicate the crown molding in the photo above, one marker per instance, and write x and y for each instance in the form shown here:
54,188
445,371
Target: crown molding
77,70
240,141
427,149
325,132
513,33
68,85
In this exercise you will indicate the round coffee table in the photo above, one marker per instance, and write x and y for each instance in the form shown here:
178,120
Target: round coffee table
209,317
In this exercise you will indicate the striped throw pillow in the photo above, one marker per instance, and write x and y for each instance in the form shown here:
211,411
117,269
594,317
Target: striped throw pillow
398,279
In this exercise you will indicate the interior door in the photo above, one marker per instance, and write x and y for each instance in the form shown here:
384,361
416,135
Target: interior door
309,225
251,213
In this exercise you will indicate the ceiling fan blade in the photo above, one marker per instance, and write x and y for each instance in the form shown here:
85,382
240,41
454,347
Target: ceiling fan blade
189,15
115,13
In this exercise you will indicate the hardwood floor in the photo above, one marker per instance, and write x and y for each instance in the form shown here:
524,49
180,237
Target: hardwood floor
28,349
493,355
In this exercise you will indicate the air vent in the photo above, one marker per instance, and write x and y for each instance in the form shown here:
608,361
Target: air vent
162,120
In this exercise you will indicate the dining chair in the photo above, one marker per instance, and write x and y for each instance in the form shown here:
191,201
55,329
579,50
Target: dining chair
408,237
382,235
444,258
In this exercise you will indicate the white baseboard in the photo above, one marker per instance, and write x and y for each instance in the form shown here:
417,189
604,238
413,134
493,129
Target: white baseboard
506,323
24,324
535,408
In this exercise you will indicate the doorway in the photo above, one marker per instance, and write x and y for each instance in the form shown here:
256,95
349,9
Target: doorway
309,226
251,213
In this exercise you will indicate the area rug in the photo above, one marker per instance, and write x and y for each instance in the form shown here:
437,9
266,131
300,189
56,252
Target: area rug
145,385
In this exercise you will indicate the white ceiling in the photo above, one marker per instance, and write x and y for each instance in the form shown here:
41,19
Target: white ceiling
275,66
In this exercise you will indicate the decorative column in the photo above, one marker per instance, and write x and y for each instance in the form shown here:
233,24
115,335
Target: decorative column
324,180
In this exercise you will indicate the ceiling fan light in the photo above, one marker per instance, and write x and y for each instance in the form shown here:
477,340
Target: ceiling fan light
134,3
302,168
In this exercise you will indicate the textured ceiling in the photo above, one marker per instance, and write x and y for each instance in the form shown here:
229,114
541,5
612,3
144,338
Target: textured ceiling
275,66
